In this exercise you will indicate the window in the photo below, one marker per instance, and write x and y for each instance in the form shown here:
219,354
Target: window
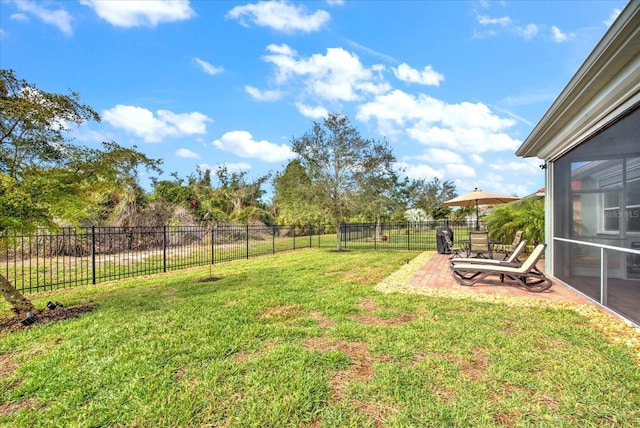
630,214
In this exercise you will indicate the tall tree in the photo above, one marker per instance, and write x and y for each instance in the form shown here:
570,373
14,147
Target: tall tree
293,200
342,166
430,195
43,175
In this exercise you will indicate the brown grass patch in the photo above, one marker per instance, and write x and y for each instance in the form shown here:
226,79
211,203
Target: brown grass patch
368,306
14,406
323,322
281,313
7,366
361,367
477,366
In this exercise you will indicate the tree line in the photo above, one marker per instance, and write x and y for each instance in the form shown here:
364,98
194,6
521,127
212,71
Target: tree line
48,180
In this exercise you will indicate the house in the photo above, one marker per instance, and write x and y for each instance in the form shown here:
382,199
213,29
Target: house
590,141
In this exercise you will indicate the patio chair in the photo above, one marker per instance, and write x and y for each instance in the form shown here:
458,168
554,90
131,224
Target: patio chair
507,250
513,257
479,244
449,248
526,275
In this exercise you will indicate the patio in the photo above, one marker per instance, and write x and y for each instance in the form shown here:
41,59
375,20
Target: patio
435,274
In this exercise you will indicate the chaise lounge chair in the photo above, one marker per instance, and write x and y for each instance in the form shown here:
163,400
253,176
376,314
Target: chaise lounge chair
525,275
507,250
513,257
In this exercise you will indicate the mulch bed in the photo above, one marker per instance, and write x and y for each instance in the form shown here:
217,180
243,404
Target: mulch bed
14,323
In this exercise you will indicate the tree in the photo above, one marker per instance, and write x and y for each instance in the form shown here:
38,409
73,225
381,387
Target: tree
44,176
343,167
240,194
293,200
431,195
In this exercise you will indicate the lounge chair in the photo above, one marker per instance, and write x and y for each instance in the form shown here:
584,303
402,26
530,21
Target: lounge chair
525,275
513,257
480,245
448,244
507,250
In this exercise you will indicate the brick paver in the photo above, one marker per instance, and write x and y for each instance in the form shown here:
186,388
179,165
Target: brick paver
435,274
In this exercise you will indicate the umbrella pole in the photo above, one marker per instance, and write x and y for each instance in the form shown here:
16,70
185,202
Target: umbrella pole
477,217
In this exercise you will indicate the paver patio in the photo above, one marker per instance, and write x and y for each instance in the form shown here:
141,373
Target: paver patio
435,274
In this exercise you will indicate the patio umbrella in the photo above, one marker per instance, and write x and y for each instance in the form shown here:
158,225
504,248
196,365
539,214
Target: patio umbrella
479,197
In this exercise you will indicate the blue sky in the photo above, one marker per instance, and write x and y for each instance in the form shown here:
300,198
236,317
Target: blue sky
454,86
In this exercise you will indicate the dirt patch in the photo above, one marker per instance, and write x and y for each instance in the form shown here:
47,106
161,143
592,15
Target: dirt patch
210,279
377,411
362,361
477,366
323,322
14,323
368,306
505,419
13,406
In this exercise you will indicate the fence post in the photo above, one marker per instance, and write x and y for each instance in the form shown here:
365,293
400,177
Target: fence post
247,228
294,236
273,239
408,237
213,248
93,255
164,248
310,236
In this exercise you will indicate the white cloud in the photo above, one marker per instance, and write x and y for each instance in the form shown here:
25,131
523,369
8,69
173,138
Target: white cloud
186,153
505,22
440,156
460,171
280,16
241,143
394,109
234,167
19,17
312,112
142,122
419,171
612,17
259,95
467,127
476,158
485,20
139,13
336,76
528,32
59,18
525,167
428,76
558,36
207,67
186,123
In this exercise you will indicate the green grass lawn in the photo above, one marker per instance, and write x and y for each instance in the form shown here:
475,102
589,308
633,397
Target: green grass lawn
304,339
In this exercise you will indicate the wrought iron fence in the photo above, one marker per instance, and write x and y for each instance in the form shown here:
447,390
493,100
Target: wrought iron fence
90,255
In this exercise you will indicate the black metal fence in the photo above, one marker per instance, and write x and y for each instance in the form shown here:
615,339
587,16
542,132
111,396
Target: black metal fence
90,255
